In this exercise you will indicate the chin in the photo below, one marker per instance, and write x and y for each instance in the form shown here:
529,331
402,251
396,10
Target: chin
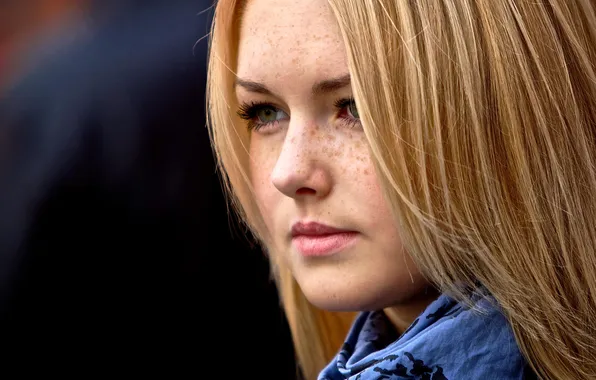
346,297
338,304
354,292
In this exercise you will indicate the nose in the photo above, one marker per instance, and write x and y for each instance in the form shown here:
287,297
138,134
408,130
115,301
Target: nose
300,170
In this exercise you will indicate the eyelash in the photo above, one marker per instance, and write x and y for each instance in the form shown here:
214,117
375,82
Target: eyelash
341,104
248,112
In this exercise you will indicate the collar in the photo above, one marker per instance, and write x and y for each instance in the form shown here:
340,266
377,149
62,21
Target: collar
448,341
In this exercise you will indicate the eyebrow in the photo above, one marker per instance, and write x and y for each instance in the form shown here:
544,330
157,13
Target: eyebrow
322,87
331,85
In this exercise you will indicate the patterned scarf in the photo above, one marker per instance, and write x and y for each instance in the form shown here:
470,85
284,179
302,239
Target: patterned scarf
448,341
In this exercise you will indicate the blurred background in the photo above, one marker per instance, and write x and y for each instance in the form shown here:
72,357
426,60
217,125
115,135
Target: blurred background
117,252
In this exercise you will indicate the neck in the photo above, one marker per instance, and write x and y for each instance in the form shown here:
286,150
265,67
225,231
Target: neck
402,315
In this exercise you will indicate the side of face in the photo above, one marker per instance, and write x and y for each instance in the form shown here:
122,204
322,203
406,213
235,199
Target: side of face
310,165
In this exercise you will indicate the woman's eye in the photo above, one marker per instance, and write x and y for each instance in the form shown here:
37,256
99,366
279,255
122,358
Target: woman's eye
347,107
268,114
353,110
348,112
261,115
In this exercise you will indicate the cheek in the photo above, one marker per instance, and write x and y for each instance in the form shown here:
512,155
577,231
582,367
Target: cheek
382,218
353,155
364,185
262,162
357,168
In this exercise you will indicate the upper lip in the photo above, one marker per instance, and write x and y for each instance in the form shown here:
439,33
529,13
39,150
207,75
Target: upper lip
314,229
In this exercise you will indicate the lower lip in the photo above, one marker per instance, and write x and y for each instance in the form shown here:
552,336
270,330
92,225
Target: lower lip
323,245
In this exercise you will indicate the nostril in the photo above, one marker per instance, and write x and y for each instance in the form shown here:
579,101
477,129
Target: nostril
305,191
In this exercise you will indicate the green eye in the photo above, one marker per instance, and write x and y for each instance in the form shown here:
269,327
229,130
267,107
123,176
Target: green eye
353,110
267,115
260,115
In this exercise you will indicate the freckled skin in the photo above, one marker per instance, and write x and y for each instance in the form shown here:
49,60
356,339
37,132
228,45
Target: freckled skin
313,165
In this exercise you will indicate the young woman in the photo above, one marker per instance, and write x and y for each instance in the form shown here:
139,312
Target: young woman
430,164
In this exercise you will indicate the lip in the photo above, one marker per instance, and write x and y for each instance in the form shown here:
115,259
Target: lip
315,239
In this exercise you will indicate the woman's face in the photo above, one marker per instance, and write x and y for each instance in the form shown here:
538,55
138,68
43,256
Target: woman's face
311,169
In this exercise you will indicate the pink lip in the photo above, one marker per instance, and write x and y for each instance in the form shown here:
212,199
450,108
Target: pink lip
314,239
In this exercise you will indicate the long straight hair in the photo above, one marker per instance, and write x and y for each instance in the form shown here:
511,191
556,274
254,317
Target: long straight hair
481,120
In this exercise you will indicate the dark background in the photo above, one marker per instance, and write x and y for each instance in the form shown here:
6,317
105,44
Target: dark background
117,252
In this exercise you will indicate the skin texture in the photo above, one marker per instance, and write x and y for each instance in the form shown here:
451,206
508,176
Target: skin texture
312,163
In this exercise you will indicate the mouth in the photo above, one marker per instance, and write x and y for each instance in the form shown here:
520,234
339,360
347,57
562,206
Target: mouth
316,240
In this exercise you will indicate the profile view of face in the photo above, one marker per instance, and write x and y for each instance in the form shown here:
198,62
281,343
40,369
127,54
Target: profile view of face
310,166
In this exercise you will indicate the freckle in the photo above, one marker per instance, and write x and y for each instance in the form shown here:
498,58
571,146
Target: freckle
312,132
330,137
366,172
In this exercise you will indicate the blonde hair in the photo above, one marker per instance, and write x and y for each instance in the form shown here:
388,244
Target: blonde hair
481,120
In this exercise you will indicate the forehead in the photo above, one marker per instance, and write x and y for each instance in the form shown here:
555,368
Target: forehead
283,37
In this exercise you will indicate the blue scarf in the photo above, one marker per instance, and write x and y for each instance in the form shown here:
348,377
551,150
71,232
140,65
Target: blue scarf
447,342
